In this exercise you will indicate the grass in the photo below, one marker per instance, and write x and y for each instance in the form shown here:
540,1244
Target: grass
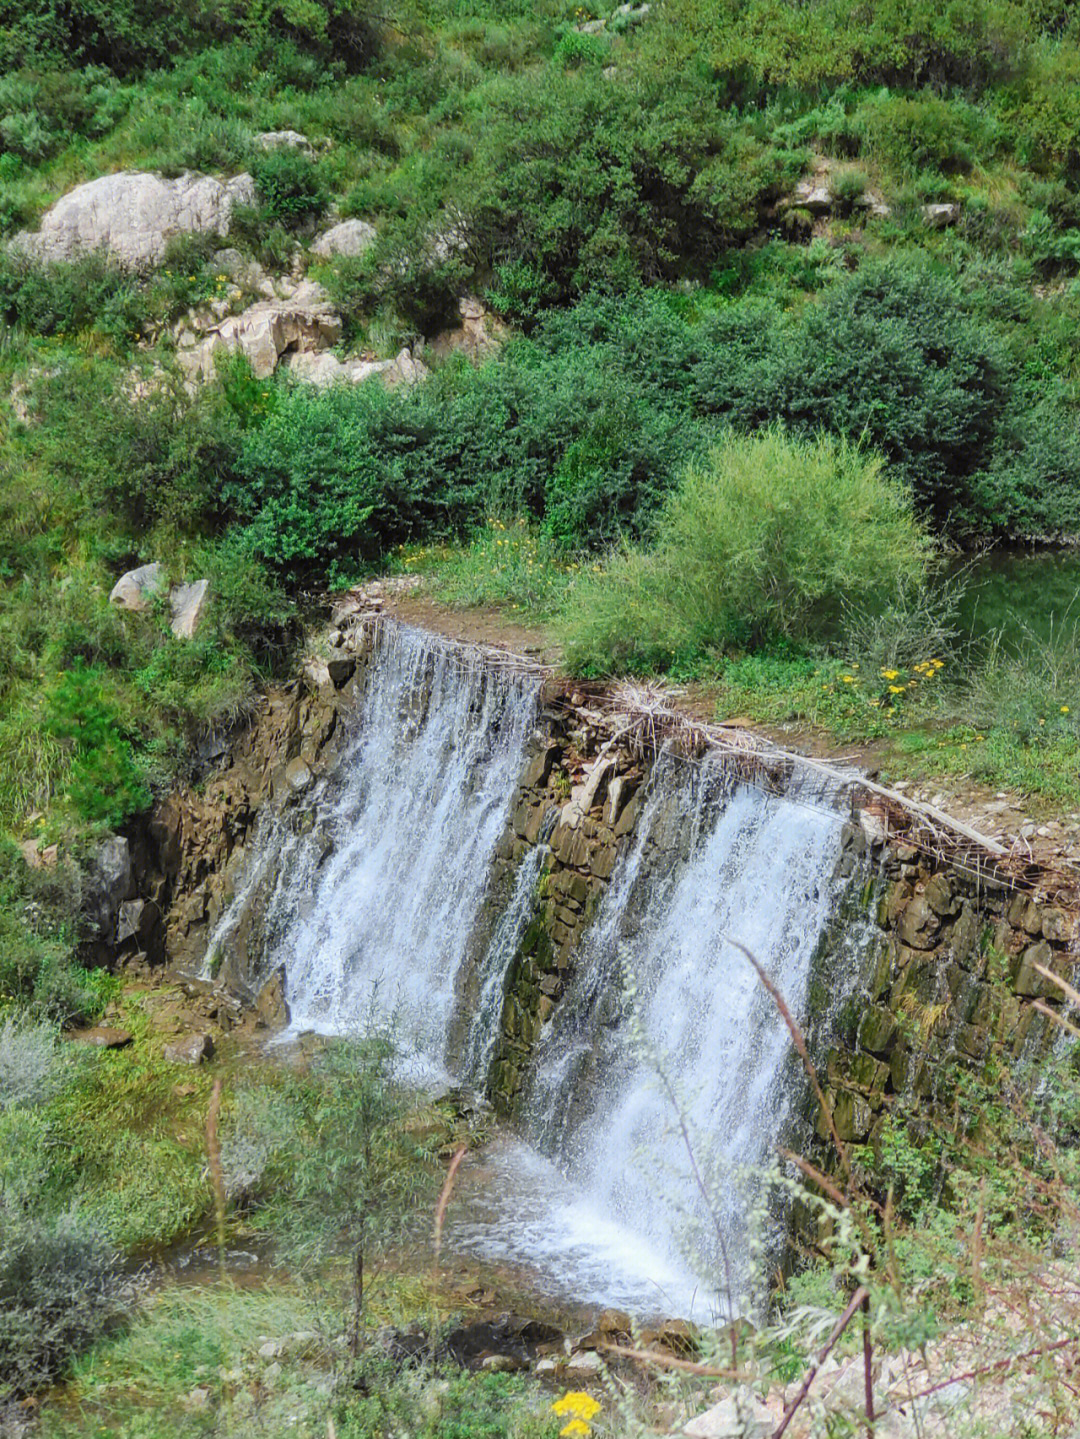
508,563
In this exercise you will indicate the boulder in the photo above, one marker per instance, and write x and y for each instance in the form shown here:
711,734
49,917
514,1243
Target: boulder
134,215
136,589
324,369
192,1049
263,333
813,194
189,604
350,237
741,1415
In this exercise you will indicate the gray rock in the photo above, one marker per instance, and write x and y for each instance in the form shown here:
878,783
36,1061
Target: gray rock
192,1049
136,589
134,215
938,216
282,140
189,604
108,882
583,1363
350,237
740,1416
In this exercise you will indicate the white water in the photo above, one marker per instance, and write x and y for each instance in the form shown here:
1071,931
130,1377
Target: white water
377,931
605,1204
685,1077
483,1033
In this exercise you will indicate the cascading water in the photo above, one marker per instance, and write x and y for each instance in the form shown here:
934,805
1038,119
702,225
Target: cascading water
371,912
627,1084
376,896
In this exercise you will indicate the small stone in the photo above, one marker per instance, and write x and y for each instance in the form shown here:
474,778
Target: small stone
197,1398
502,1364
340,668
271,1349
584,1362
191,1050
283,140
546,1366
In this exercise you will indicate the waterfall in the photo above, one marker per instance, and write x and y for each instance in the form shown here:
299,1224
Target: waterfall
665,1069
667,1035
371,910
483,1032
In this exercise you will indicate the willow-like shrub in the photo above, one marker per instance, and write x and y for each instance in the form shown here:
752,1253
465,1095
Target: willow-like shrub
761,542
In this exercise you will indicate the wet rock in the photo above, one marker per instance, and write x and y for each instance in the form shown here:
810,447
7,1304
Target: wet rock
135,590
101,1036
1057,926
193,1049
297,775
919,925
1028,983
340,667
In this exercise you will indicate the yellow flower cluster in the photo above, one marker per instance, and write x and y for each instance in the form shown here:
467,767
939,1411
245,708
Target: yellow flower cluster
579,1409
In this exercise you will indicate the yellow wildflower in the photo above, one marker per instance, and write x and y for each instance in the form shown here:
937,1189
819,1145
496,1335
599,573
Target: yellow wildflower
578,1405
889,674
896,689
848,679
1064,709
576,1427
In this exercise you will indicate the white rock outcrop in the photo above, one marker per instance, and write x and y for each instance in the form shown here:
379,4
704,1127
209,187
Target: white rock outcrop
264,332
350,237
134,215
323,370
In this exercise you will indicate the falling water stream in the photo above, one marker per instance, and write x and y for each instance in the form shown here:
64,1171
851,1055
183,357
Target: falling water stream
659,1087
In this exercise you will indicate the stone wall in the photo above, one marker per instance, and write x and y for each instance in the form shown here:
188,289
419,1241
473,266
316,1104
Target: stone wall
949,970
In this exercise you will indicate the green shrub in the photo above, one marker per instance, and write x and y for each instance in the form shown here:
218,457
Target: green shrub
59,1291
104,782
289,185
1030,689
91,293
762,541
893,354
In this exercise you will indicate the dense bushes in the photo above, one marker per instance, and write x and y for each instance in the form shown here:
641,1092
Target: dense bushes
128,35
759,543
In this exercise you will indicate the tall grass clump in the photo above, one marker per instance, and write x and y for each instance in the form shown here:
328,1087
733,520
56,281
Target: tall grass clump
763,540
1031,688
